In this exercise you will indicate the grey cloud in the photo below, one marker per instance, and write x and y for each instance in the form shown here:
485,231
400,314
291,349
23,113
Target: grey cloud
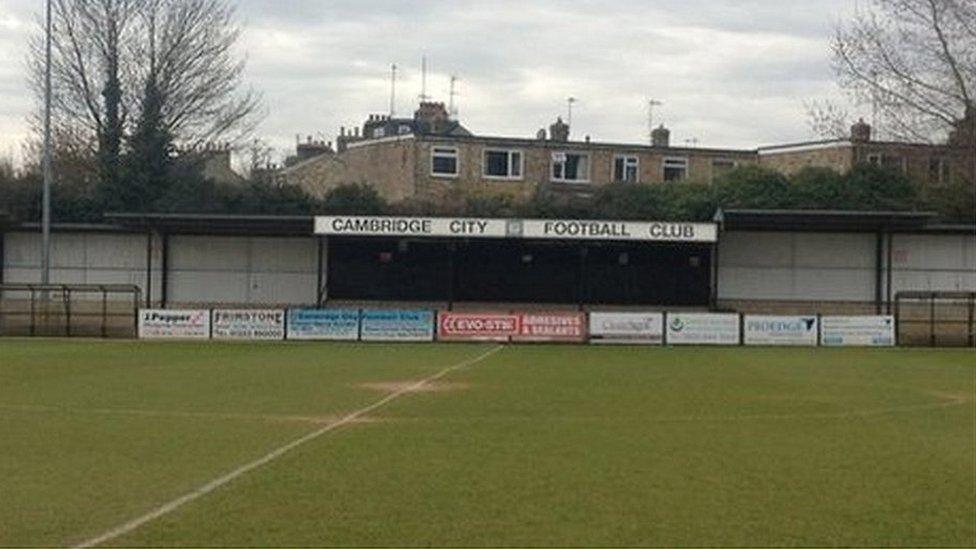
731,72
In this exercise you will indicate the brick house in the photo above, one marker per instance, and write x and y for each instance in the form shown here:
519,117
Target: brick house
432,157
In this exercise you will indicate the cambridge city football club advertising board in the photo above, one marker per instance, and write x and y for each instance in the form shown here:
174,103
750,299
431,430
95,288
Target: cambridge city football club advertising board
627,328
553,327
703,329
165,324
392,325
264,324
857,331
780,330
323,324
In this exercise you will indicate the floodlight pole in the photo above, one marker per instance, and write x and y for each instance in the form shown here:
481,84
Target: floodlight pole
46,200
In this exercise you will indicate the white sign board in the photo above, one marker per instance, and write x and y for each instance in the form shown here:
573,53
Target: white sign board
166,324
703,329
267,324
780,330
627,328
619,230
412,226
549,229
864,331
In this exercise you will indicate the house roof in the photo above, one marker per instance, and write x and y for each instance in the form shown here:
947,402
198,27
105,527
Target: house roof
216,224
823,220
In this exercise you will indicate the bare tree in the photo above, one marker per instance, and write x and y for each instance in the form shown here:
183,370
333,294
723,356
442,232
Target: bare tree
109,54
912,62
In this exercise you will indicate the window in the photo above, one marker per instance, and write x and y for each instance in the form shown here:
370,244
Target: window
626,169
570,167
939,170
502,164
675,169
404,129
722,166
444,162
379,132
888,162
895,163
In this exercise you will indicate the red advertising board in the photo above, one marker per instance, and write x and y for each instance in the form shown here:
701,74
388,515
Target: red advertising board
569,327
476,326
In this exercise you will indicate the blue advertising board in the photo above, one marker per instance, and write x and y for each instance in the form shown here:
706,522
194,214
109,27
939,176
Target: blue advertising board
397,325
323,324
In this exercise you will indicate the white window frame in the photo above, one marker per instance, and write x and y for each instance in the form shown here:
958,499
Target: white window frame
727,165
664,168
404,129
379,132
626,158
509,153
441,151
552,168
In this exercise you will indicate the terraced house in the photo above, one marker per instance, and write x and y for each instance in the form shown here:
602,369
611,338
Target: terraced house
431,156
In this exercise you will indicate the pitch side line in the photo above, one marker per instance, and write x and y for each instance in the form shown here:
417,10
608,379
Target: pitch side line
209,487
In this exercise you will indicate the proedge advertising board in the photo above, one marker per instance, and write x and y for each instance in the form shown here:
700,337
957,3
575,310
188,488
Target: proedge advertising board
477,326
397,325
174,324
567,327
703,329
264,324
780,330
627,328
863,331
323,324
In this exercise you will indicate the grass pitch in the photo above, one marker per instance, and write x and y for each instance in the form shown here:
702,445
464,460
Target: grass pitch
532,446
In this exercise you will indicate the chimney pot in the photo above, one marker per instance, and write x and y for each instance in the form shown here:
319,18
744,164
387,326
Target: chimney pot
861,132
661,137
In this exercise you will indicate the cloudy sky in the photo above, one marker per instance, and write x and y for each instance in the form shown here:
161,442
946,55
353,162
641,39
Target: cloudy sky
731,73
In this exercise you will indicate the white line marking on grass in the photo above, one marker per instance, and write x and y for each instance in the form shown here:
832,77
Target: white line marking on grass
216,483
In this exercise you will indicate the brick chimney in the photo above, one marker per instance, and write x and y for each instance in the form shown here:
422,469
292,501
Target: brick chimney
861,132
559,131
432,117
661,137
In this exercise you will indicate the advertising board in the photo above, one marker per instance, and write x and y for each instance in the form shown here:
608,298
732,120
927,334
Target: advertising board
627,328
477,326
264,324
174,324
863,331
567,327
780,330
323,324
397,325
703,329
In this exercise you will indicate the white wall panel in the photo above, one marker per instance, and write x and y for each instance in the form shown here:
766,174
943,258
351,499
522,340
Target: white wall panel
208,253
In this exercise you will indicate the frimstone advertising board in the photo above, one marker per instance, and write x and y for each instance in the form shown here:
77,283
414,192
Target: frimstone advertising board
703,329
323,324
397,325
627,328
780,330
248,324
857,331
174,324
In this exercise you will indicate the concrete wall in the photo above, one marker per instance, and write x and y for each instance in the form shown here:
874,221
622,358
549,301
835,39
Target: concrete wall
242,270
933,262
82,258
836,273
202,269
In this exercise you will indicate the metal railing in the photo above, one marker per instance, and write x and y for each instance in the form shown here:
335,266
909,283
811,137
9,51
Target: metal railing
69,310
936,319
